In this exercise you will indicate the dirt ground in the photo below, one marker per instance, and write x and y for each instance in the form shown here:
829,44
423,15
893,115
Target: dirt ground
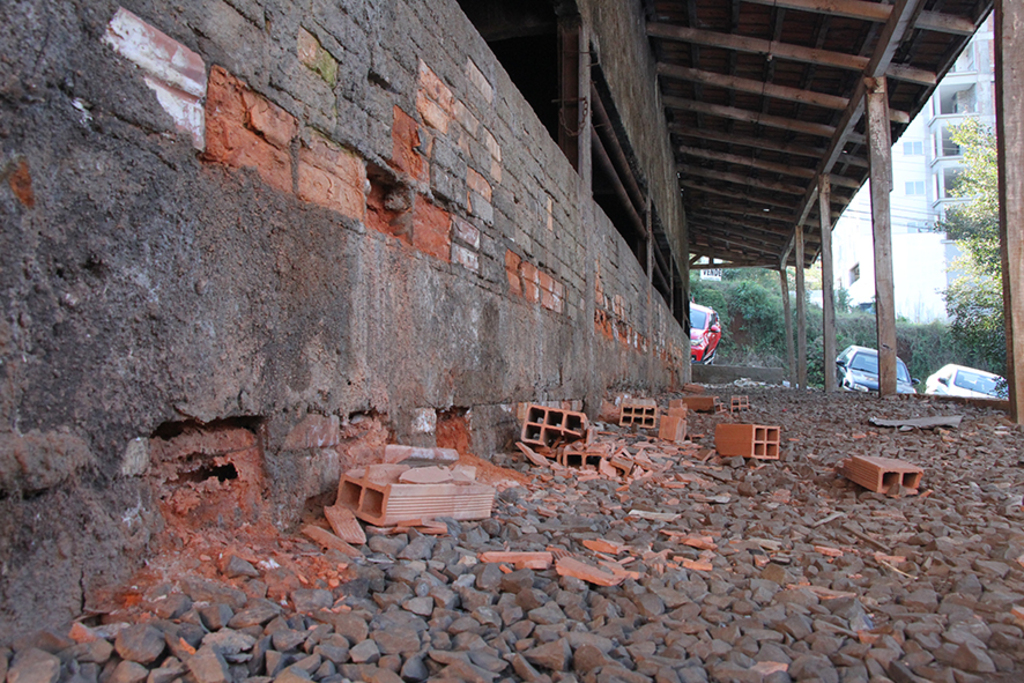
727,570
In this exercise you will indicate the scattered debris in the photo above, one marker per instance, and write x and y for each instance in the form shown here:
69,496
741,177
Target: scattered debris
921,422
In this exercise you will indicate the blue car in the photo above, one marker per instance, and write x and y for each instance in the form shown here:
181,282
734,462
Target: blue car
857,370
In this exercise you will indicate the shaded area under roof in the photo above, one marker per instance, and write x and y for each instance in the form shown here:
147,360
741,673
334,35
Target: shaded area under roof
763,96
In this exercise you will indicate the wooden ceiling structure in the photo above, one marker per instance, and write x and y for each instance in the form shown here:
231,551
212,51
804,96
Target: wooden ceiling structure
764,97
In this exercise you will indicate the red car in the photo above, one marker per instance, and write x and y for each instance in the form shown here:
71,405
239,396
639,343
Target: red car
705,333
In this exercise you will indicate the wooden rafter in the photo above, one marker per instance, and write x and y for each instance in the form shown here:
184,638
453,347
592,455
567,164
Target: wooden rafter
776,50
741,180
818,129
876,12
796,53
763,201
738,160
751,85
767,145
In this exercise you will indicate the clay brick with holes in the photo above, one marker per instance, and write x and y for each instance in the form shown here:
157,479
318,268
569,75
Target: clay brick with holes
576,459
739,403
750,441
881,474
673,428
376,496
545,426
640,412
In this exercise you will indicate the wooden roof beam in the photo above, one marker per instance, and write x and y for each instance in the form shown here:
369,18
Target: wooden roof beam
767,145
738,160
777,239
818,129
878,13
762,201
728,41
733,210
742,180
853,9
772,243
730,265
776,50
784,169
749,85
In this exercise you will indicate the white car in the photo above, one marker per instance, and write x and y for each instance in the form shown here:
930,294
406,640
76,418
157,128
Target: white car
956,380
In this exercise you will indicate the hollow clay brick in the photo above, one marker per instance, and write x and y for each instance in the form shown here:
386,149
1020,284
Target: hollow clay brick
546,426
747,440
881,474
640,412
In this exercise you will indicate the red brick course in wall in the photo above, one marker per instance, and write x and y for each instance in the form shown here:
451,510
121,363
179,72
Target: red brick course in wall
431,231
533,284
244,130
332,177
405,142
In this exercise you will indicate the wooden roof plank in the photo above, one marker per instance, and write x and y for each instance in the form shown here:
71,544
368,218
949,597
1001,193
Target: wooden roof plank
765,144
818,129
738,160
737,179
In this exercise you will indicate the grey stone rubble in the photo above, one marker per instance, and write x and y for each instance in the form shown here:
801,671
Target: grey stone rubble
811,577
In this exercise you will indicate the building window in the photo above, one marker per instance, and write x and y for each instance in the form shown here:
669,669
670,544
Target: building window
854,273
915,148
915,187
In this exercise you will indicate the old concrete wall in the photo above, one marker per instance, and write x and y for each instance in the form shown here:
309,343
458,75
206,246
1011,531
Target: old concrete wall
268,237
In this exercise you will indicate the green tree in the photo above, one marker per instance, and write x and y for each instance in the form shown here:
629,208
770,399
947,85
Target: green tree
974,300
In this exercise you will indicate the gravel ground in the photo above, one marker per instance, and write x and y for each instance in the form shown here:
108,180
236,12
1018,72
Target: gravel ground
753,571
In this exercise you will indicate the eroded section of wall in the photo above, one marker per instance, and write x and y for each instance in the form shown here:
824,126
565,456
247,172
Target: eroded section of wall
246,244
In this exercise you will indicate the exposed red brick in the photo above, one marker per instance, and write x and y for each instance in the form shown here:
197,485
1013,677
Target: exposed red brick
229,141
20,181
332,177
477,183
512,262
432,113
273,123
435,89
405,139
529,275
431,231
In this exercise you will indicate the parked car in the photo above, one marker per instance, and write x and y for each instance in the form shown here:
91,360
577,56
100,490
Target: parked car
857,370
956,380
705,333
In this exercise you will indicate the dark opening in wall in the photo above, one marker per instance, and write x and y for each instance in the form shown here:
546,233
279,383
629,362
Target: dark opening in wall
210,473
206,470
523,35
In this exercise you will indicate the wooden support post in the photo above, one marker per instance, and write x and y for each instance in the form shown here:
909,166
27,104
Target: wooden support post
828,320
582,161
801,311
790,363
880,153
570,92
1010,135
650,294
